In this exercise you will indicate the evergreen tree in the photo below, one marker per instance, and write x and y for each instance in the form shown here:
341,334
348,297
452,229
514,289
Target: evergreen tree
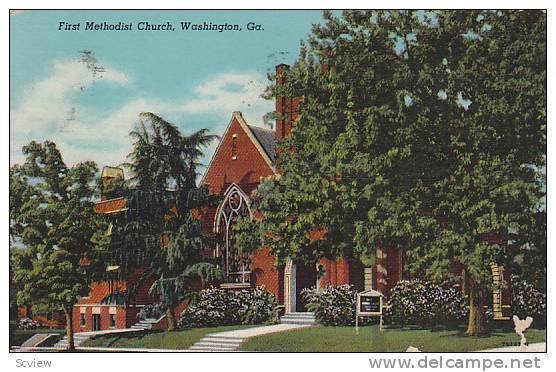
158,231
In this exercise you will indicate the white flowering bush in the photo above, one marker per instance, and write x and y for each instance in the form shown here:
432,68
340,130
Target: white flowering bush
151,311
27,323
215,307
257,306
333,306
528,301
417,302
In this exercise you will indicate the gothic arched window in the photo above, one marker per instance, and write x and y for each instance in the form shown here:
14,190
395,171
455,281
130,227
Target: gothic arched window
236,264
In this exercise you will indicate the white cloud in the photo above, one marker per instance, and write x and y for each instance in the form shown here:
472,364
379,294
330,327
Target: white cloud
225,93
49,109
109,136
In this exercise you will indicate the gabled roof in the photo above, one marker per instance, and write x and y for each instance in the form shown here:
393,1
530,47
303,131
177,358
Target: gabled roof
260,137
267,139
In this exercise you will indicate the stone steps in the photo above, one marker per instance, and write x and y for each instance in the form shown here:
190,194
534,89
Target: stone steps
305,318
78,339
145,323
215,343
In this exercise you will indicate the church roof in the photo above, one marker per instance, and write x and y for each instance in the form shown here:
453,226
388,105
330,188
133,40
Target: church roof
263,139
267,139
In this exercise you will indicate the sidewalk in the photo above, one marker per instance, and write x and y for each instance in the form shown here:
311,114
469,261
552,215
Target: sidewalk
231,340
228,341
108,332
258,331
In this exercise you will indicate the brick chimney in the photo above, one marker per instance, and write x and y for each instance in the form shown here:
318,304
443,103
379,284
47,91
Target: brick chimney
287,108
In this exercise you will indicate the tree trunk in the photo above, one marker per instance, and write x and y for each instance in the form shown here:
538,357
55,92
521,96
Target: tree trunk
170,318
29,311
476,322
464,282
69,327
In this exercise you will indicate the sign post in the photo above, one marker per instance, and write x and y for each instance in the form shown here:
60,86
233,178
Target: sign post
369,303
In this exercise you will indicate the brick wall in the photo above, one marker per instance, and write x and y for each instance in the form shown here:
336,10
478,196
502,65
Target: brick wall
245,170
336,272
287,108
265,274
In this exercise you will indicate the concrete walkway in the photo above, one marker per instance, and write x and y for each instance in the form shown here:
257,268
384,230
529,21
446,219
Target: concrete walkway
37,339
108,332
228,341
81,337
231,340
539,347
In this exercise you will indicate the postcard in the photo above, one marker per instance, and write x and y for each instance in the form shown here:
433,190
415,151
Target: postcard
278,181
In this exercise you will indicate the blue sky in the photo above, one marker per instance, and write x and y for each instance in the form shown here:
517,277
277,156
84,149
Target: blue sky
192,78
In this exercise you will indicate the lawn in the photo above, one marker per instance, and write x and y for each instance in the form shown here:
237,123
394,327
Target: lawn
158,340
370,339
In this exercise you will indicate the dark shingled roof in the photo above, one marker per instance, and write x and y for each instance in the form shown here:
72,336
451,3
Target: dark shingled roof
267,139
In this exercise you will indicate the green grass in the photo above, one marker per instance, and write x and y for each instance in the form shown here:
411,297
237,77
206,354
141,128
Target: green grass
158,340
370,339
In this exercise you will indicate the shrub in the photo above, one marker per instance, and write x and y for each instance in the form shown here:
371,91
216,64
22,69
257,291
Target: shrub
528,301
258,306
151,311
333,306
27,323
215,307
426,304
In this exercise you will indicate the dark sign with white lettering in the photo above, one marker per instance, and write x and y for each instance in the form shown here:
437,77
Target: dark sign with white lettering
369,304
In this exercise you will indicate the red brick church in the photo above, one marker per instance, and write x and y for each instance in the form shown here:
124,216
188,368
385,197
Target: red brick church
245,155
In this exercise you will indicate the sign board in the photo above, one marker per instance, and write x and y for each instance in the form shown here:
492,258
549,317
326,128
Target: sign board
369,303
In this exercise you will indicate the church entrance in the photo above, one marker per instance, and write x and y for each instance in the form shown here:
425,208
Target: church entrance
306,277
297,276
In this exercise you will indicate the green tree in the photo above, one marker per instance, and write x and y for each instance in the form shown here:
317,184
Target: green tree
418,130
159,231
53,226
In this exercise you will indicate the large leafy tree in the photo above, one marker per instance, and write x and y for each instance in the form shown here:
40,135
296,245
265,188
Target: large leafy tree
159,231
53,229
421,130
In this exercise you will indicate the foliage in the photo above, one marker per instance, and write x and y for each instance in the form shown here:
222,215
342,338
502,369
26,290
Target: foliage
417,302
26,323
159,230
528,301
410,118
259,306
151,311
53,229
216,307
333,306
530,262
